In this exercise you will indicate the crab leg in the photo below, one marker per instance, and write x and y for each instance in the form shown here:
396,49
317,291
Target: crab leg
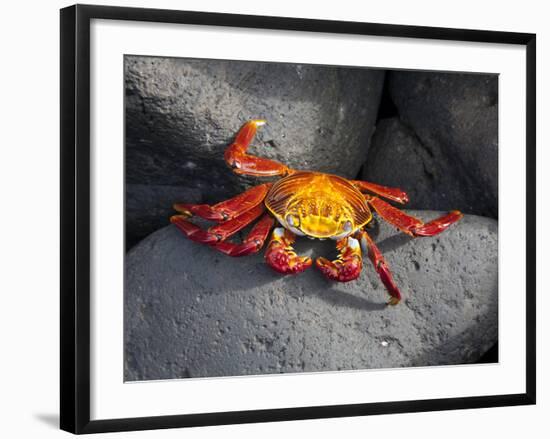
242,163
252,243
347,266
228,209
281,256
219,232
391,193
380,266
409,224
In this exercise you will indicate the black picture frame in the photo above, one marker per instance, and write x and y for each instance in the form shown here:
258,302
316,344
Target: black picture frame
75,217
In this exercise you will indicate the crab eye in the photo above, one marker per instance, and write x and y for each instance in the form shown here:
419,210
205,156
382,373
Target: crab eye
347,226
293,221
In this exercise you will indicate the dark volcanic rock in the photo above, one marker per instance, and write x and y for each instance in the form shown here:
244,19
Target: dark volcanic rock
149,207
398,158
192,312
455,120
182,113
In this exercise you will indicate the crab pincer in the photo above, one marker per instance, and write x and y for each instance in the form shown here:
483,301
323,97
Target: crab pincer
347,266
281,256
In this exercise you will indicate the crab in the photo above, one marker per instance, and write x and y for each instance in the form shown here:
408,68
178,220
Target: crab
305,203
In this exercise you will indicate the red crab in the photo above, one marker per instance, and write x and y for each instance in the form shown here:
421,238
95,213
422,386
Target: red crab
305,203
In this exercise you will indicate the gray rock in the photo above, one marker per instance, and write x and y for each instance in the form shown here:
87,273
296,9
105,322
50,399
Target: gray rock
181,114
455,120
193,312
398,158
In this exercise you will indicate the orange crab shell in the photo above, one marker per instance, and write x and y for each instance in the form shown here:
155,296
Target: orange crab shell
318,205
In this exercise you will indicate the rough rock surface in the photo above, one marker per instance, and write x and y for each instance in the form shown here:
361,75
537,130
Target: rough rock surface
455,120
398,158
193,312
182,113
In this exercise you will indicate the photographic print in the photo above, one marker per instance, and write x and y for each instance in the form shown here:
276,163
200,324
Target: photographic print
230,166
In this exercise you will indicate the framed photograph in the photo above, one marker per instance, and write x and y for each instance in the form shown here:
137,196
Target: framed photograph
199,151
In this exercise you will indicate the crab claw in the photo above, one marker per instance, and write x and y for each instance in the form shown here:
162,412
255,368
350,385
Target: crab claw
281,256
348,265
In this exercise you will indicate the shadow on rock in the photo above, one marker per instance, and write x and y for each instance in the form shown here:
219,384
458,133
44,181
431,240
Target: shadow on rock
394,242
330,293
